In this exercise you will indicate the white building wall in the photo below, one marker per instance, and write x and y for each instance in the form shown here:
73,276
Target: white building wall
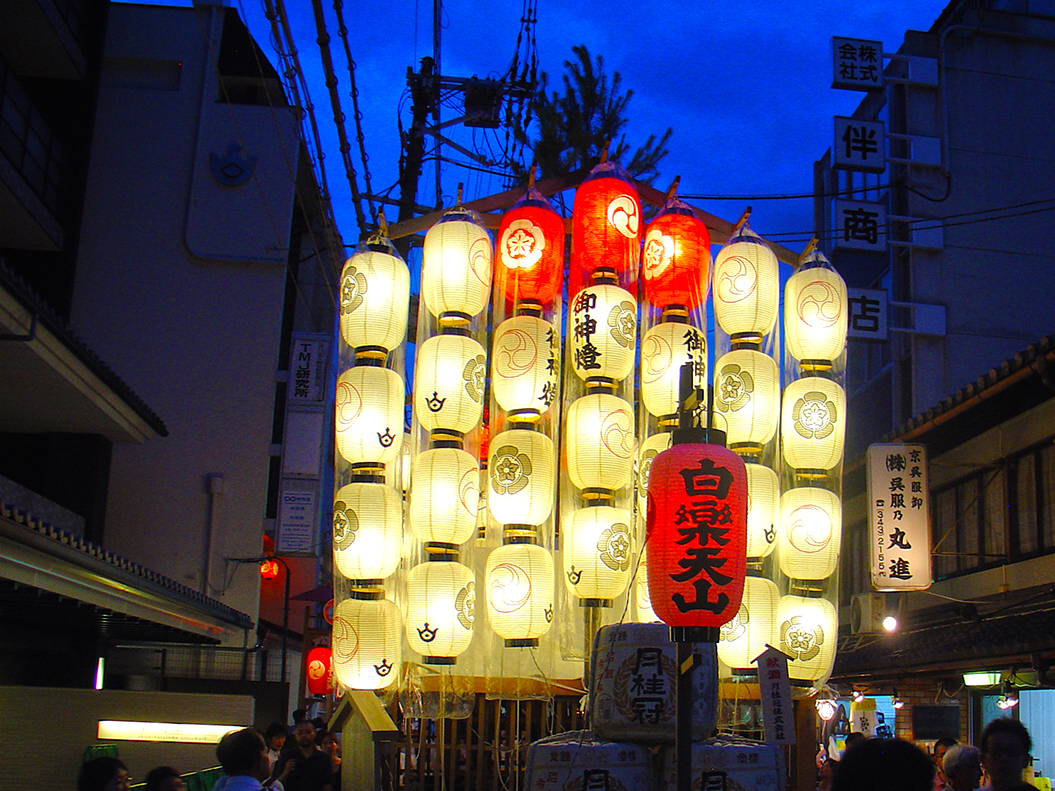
196,337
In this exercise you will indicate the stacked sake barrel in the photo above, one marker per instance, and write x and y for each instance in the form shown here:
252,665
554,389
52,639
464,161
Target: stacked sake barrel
632,712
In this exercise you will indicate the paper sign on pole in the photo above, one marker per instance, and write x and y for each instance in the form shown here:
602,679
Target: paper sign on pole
775,690
898,516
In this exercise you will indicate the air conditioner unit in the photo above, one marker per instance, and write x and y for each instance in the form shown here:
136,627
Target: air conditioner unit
866,613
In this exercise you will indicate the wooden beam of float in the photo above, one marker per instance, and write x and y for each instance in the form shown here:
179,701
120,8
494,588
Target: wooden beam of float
491,207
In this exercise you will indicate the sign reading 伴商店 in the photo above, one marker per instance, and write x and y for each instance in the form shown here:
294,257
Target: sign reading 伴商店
898,517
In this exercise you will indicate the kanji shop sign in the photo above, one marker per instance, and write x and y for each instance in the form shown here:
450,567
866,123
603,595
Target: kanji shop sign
857,64
859,145
774,687
860,225
898,515
868,314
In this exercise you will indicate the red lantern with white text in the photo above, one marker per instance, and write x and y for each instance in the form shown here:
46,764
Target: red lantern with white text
530,252
676,259
318,670
696,534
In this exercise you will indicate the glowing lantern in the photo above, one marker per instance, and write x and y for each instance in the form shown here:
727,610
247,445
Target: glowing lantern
754,626
696,531
650,448
815,313
763,497
441,601
530,251
747,396
269,569
809,533
522,472
598,546
367,530
600,442
676,258
746,287
449,383
807,631
602,331
375,298
369,414
367,641
664,349
606,225
456,266
525,363
317,675
813,423
444,496
520,593
642,598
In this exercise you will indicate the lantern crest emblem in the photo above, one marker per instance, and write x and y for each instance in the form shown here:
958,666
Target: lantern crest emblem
522,244
622,321
465,604
814,415
658,252
474,374
735,386
737,627
614,545
345,525
623,215
819,304
353,286
510,470
736,279
801,640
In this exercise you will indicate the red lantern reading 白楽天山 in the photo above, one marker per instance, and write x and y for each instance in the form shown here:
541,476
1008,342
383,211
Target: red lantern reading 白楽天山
696,534
530,251
318,670
676,260
605,227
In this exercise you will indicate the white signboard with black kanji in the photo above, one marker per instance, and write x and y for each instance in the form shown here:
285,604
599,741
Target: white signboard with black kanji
859,145
857,64
774,688
868,314
860,225
898,516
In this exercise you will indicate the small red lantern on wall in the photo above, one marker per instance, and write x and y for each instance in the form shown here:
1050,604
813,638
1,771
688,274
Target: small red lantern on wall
676,259
696,532
318,670
269,569
529,259
606,227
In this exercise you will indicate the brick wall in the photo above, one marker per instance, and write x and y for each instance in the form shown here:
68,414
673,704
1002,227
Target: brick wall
925,692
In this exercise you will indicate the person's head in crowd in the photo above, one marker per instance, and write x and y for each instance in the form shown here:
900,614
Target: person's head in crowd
304,734
276,735
853,738
1005,747
942,746
299,715
243,753
320,727
962,766
884,765
163,778
103,774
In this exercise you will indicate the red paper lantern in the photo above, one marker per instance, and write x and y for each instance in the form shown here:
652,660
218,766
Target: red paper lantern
318,670
269,569
530,251
677,257
605,227
696,534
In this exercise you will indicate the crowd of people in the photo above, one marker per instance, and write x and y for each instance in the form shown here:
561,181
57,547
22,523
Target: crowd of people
998,763
307,758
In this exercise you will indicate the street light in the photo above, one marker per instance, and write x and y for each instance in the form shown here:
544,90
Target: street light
268,560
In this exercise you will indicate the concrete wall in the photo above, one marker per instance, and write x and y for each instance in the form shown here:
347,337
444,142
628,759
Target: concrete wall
49,729
196,337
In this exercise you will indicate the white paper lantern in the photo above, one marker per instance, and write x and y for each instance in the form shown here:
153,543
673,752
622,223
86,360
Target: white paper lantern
520,592
747,396
367,643
813,423
763,499
602,331
456,265
746,286
522,475
598,547
368,414
444,496
754,627
642,595
650,448
600,442
810,533
525,364
367,530
664,349
441,601
375,298
449,383
815,314
808,631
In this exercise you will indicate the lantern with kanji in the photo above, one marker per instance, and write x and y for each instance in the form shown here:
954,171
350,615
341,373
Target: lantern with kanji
676,258
529,264
602,332
525,364
665,348
696,531
606,226
317,675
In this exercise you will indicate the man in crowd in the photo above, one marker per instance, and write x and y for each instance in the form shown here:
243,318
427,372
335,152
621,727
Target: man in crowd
941,747
1005,753
243,756
963,768
303,767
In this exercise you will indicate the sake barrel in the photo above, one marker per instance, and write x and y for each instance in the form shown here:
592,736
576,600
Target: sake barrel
728,763
581,761
633,678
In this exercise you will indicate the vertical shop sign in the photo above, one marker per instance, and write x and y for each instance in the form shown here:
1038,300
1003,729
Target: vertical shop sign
775,690
898,512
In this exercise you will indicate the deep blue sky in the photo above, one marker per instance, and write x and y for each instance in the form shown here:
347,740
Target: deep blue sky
745,86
